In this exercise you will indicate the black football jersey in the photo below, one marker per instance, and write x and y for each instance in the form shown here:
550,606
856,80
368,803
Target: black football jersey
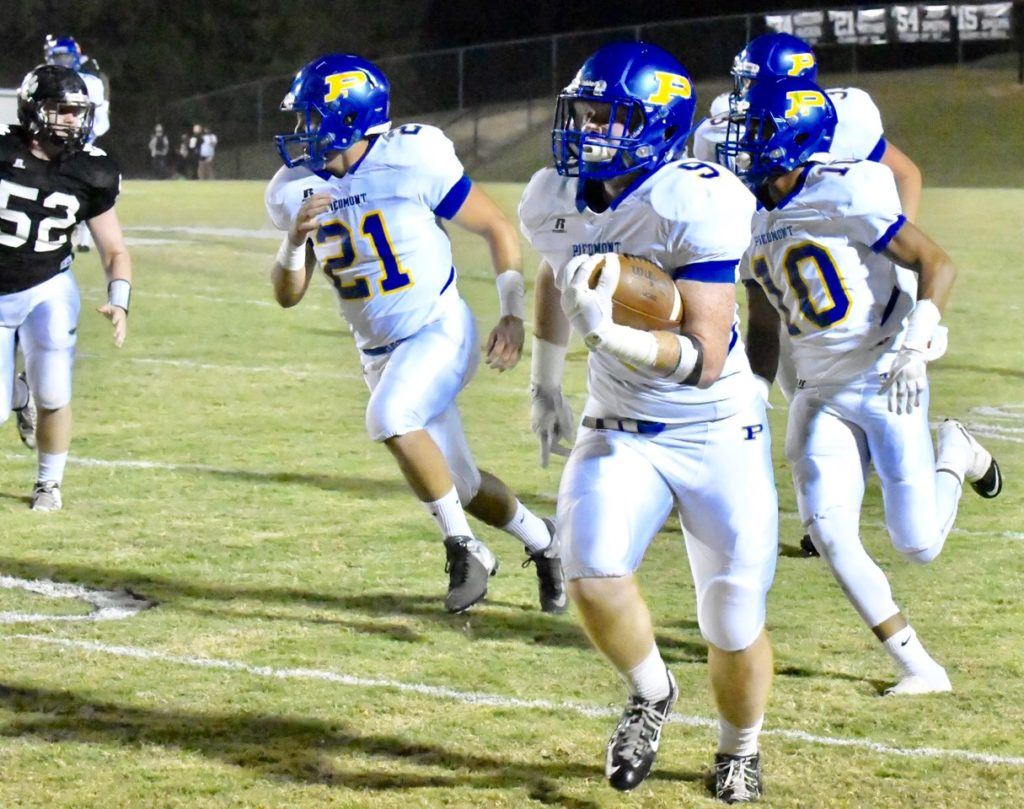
40,203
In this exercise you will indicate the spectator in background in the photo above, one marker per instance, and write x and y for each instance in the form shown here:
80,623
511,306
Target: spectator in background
195,140
181,157
159,148
207,149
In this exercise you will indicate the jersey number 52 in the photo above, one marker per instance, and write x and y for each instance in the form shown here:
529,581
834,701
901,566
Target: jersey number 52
19,228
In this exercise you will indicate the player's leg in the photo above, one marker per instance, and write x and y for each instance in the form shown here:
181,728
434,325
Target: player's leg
8,394
732,539
611,503
488,499
829,457
48,338
412,386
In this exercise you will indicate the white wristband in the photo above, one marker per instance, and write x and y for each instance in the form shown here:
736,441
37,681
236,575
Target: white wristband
119,292
691,361
633,346
547,364
511,294
921,325
291,257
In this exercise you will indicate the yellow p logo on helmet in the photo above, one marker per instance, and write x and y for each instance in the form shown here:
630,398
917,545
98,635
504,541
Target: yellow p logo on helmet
801,62
670,85
339,84
801,102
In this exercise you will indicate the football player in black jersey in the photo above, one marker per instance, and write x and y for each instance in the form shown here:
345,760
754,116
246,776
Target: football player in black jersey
50,180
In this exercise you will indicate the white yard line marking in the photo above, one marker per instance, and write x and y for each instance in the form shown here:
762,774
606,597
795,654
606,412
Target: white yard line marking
498,701
246,369
108,605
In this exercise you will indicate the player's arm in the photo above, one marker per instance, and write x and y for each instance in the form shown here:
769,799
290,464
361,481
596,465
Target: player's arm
117,265
908,179
479,215
550,415
912,248
295,261
762,335
906,381
694,357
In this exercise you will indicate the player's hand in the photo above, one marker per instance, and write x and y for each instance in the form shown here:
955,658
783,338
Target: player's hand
306,220
551,421
907,380
117,316
505,343
590,310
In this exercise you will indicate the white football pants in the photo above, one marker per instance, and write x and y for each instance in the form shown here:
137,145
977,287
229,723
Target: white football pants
45,318
414,387
618,489
834,432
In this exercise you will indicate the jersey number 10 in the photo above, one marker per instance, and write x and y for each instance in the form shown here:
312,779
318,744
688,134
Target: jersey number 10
826,281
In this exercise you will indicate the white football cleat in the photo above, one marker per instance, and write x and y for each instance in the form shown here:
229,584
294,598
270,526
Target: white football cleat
46,496
912,684
982,471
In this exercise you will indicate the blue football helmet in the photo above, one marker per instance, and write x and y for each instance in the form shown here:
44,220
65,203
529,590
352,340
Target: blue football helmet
630,107
62,51
786,121
772,56
341,98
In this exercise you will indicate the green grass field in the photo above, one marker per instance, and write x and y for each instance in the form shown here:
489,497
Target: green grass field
298,654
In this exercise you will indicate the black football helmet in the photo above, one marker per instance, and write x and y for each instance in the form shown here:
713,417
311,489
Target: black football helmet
54,107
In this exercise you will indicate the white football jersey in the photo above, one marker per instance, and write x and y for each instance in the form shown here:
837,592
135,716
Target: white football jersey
98,96
858,134
688,217
818,257
380,242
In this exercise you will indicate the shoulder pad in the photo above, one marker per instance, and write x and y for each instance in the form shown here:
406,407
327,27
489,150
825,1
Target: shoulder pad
693,189
535,203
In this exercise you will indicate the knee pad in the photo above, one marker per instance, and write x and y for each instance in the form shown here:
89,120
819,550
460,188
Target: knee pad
50,380
731,612
386,419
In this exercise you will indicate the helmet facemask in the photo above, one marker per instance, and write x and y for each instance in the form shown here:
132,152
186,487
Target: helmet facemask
54,106
597,138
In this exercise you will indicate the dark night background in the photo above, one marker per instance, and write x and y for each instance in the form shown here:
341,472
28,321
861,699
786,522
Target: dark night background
158,52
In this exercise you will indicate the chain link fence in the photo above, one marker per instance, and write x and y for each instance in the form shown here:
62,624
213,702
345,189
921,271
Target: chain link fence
461,87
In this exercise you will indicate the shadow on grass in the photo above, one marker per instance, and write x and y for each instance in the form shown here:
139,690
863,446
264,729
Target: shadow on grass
299,749
491,620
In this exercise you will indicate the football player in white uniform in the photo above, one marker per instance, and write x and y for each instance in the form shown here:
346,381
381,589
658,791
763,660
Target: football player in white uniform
858,135
52,179
65,51
363,201
826,239
669,416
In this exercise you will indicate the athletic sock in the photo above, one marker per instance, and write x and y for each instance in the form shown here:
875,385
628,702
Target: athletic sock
734,741
649,680
51,466
529,529
447,512
909,654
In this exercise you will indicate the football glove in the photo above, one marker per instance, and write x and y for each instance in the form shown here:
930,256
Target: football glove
551,421
590,310
906,381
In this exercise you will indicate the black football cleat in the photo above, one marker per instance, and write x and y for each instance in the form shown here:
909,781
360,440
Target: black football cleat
550,580
738,778
469,565
634,744
807,547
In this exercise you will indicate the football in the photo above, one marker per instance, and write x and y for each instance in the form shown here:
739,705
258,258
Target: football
645,297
